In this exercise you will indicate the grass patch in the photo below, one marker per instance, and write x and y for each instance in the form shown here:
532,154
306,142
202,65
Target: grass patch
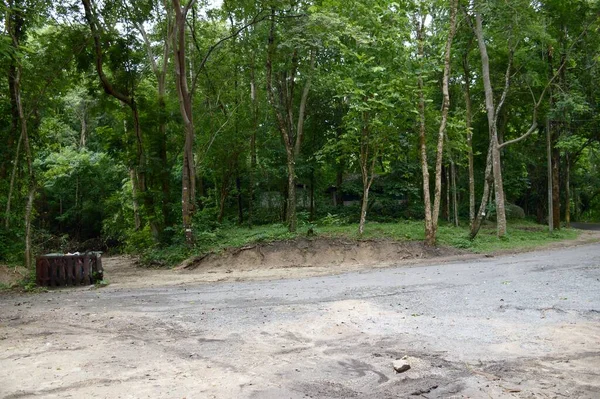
26,284
520,235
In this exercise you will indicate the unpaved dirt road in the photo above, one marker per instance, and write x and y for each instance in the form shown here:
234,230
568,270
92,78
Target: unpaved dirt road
517,326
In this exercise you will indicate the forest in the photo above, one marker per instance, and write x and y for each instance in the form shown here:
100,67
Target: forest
148,125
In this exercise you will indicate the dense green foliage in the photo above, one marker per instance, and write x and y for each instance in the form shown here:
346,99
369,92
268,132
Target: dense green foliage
101,140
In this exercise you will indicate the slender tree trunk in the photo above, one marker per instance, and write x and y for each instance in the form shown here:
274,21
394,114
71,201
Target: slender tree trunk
367,159
556,180
222,198
312,195
240,200
29,256
134,197
253,159
469,121
164,171
363,208
487,183
447,213
282,106
167,218
29,158
137,218
568,192
14,117
444,120
290,216
549,160
161,76
432,215
14,27
454,193
83,133
15,32
492,121
11,188
188,178
429,229
576,203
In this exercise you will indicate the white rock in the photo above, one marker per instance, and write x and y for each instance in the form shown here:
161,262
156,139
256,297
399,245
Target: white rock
401,365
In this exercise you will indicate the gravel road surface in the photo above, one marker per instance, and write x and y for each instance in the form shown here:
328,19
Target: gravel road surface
519,326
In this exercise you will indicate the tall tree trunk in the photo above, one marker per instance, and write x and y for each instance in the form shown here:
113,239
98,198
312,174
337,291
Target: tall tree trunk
367,160
363,208
556,179
188,176
469,121
282,106
576,203
137,218
83,133
368,175
164,172
444,120
15,32
568,191
487,183
31,174
492,122
454,193
429,229
134,197
240,200
14,119
312,195
32,184
447,213
549,160
432,215
290,215
253,159
11,187
222,198
161,77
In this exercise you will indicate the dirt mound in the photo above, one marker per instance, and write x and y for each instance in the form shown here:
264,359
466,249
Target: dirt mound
10,275
320,252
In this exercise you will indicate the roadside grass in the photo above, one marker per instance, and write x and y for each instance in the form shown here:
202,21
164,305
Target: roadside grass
521,235
25,284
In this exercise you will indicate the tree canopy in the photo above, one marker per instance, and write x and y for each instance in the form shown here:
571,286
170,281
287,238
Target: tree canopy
148,123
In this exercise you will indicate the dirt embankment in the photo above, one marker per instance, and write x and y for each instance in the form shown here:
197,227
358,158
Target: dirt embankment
323,252
10,275
283,259
297,258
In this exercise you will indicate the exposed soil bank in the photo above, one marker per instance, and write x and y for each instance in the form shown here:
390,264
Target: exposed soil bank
290,259
10,275
321,252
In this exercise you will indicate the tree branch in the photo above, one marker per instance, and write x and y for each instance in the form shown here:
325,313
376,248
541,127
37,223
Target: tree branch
302,110
256,19
108,87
